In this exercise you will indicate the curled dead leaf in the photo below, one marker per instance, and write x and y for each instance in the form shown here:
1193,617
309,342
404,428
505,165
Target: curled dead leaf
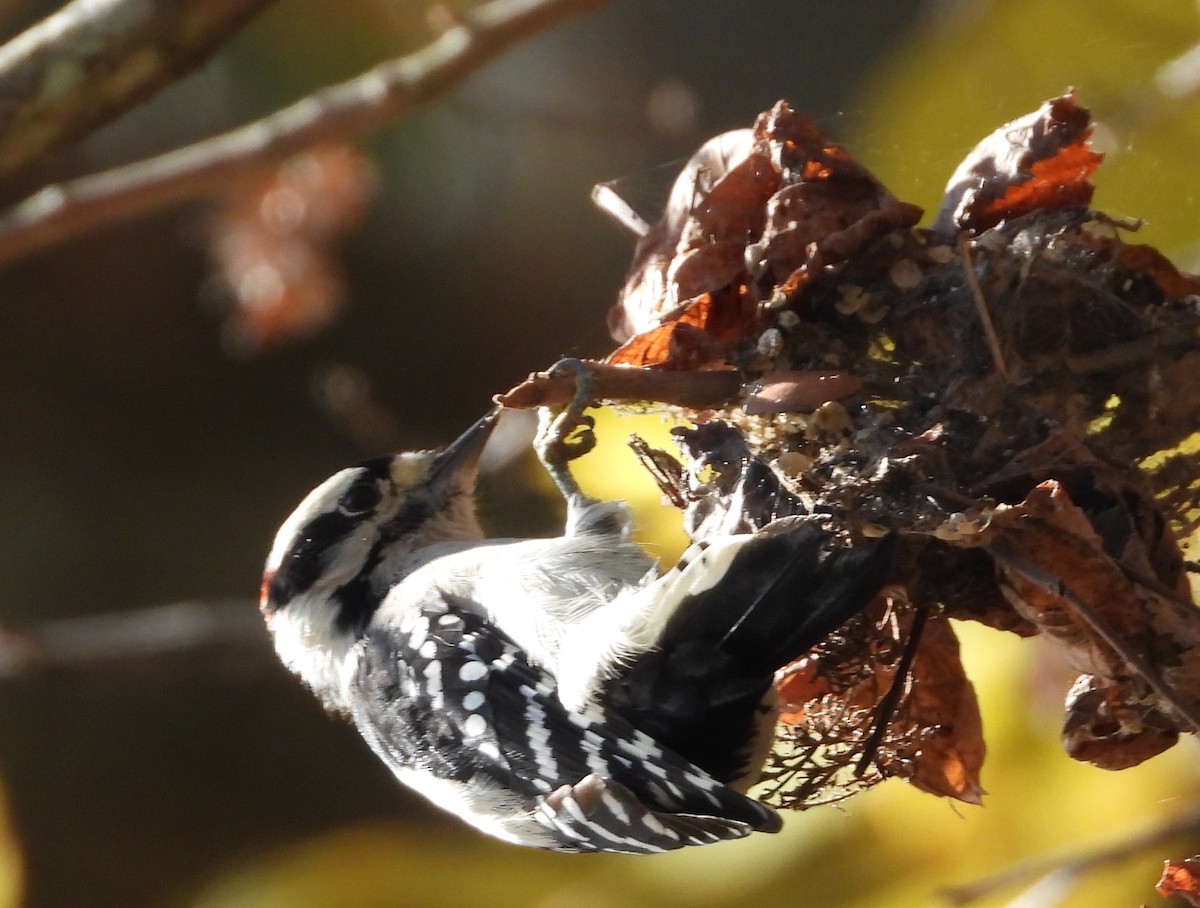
697,245
1181,878
698,337
943,701
1107,726
1109,620
753,215
1038,161
828,206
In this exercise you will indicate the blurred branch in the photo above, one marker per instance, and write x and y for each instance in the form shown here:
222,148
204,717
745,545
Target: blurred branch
117,636
1057,874
94,59
360,105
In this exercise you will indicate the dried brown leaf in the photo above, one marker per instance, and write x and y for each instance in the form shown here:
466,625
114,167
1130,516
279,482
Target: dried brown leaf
1135,638
699,336
828,207
943,701
1041,160
1181,878
1173,283
751,217
833,698
1107,726
697,245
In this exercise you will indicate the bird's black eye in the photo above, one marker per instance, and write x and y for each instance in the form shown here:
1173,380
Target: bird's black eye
360,498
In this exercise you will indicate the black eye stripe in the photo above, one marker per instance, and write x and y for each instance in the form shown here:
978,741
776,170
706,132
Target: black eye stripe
357,600
377,467
302,566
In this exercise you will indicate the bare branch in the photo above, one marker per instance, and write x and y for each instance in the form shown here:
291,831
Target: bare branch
351,108
1062,870
94,59
119,636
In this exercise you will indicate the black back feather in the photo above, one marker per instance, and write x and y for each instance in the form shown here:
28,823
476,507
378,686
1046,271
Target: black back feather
700,692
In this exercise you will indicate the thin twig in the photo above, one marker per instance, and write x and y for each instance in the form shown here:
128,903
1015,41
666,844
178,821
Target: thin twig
886,711
92,60
1131,842
119,636
610,202
989,329
350,108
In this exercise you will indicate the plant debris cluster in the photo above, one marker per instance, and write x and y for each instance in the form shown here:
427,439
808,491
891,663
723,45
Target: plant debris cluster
1013,390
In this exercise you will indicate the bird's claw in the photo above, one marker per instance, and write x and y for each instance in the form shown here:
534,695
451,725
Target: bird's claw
564,437
568,435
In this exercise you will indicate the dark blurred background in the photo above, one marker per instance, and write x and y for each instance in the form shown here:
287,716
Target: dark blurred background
144,463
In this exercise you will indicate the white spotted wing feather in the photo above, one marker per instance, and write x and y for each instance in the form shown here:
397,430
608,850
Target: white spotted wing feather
463,717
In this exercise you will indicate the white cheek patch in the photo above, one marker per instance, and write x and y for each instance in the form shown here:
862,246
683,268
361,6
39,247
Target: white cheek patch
310,646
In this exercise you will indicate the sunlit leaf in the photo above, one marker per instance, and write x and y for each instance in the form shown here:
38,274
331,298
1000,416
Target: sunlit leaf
975,65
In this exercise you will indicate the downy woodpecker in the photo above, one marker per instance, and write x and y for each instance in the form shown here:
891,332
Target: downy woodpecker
560,693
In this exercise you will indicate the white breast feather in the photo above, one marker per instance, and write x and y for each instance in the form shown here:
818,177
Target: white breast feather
537,590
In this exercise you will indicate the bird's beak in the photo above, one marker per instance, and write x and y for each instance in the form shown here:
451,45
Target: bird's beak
462,454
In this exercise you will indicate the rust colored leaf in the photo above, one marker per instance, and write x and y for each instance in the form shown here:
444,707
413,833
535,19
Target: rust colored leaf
1054,535
1138,261
697,246
751,217
697,337
828,207
1054,183
676,345
833,698
1041,160
829,702
1173,283
1096,600
1107,726
943,701
1181,878
798,685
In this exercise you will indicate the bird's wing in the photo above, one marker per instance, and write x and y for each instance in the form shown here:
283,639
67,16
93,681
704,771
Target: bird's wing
459,713
732,612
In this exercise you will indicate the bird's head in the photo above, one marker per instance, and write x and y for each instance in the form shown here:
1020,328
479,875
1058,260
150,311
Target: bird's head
352,538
